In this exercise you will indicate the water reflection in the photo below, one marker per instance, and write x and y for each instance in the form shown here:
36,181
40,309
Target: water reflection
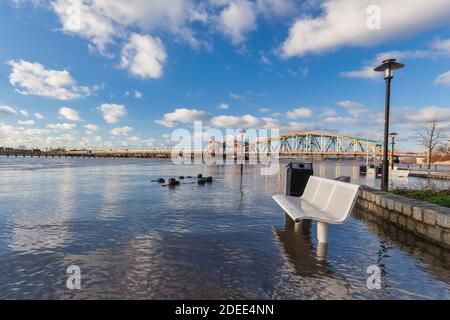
309,262
435,258
36,228
295,242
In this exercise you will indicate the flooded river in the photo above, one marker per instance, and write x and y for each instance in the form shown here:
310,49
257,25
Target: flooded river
134,239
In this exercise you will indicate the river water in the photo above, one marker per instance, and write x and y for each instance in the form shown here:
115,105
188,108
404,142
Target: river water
134,239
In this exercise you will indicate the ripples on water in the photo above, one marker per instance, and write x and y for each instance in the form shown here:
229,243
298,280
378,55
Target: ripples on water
135,239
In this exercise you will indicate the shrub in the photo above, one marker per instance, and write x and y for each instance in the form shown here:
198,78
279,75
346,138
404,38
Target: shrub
428,194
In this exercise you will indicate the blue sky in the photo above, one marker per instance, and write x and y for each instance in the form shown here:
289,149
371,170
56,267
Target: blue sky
122,73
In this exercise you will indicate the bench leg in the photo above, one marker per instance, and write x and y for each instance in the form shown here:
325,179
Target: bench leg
322,251
322,232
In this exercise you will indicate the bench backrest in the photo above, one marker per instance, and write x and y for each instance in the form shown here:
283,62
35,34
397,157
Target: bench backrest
335,198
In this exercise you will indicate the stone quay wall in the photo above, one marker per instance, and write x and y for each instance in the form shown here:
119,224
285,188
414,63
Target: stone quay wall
429,221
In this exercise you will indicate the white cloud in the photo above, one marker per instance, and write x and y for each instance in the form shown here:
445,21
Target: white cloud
300,71
442,45
60,141
104,22
34,79
134,93
112,113
244,122
443,79
14,136
414,118
188,116
182,115
144,56
237,19
39,116
7,111
342,121
367,71
299,113
121,131
264,110
134,139
79,17
91,128
236,96
427,114
344,23
62,126
24,113
355,109
223,106
329,112
26,122
69,114
299,126
265,60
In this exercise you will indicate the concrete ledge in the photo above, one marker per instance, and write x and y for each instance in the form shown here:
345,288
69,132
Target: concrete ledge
429,221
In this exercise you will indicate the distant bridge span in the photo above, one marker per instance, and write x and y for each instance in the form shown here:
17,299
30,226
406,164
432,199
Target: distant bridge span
320,144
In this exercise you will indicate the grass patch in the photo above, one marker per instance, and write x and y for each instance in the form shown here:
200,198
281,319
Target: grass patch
439,197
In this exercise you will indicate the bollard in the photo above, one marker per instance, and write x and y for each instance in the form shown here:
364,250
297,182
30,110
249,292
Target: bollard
173,182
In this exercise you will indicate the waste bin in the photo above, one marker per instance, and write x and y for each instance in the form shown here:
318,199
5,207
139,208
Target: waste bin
297,176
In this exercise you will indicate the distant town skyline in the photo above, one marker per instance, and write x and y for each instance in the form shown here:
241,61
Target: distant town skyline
125,74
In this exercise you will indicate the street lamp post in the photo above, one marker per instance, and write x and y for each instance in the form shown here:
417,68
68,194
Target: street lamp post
393,135
388,68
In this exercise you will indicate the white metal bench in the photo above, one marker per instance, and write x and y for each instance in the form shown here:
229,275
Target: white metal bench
326,201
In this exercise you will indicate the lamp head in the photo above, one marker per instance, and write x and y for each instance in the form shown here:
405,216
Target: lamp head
388,66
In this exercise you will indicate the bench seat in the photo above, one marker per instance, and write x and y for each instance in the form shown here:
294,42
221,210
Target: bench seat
301,210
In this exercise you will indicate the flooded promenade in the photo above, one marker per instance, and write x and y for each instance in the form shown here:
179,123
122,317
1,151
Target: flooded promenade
133,238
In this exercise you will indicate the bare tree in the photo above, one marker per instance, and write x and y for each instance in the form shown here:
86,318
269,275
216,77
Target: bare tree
430,136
